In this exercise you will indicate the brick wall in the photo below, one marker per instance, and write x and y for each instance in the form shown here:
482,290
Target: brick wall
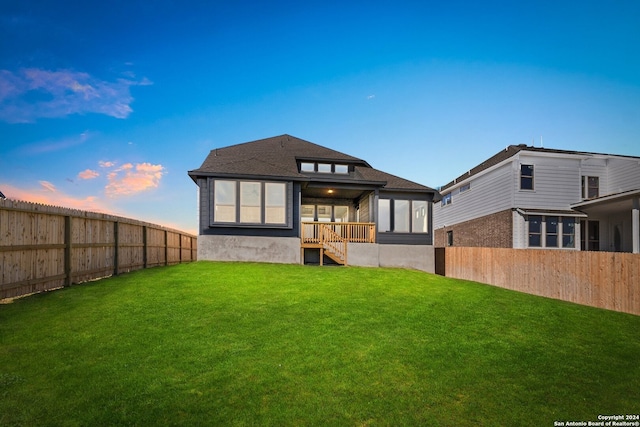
491,231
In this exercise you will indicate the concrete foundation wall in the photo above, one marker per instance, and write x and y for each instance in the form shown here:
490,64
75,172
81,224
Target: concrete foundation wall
285,250
419,257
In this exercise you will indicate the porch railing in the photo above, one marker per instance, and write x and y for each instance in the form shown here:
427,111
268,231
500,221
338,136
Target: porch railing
356,232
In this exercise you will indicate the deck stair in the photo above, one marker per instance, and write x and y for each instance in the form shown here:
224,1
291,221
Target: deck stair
332,238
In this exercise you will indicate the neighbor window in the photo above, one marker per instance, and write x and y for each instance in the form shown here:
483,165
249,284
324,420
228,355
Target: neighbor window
446,200
549,231
590,187
250,202
465,187
535,231
526,177
450,238
402,216
568,232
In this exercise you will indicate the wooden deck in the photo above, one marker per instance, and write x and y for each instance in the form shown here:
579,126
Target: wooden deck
332,237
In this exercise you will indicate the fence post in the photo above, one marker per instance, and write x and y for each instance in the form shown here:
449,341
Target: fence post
116,243
67,250
144,246
166,247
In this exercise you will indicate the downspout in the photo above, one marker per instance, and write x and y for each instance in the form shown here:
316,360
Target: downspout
635,225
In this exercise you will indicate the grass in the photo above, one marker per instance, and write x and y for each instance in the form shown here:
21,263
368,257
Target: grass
258,344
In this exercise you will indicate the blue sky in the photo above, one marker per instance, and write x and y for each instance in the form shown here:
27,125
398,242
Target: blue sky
105,106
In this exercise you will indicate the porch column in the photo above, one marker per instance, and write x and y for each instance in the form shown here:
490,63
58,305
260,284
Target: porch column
635,225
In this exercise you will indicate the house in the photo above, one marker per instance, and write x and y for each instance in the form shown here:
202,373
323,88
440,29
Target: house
286,200
534,197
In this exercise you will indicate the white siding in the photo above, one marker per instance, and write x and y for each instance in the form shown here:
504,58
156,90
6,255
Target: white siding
520,236
489,193
556,183
624,175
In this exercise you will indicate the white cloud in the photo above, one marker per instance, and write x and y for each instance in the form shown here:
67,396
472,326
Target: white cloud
33,93
129,179
48,186
105,164
88,174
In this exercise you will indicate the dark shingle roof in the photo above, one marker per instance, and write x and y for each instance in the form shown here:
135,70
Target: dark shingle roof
278,157
511,151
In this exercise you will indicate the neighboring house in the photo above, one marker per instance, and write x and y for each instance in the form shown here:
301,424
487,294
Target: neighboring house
287,200
530,197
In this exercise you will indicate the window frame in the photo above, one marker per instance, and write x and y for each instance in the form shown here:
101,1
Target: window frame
446,200
527,178
564,240
393,211
586,187
238,206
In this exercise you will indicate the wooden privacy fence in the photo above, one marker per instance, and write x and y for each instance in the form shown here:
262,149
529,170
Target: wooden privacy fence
608,280
48,247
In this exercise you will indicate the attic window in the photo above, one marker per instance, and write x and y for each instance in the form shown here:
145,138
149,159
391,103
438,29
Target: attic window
307,167
324,167
318,167
342,168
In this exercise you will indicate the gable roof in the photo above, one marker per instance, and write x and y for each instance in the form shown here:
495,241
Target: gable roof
511,151
278,157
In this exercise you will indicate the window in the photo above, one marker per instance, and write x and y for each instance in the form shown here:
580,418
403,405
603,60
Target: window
526,177
249,202
450,238
402,216
307,167
465,187
384,215
420,224
324,167
342,168
446,200
568,233
551,232
225,201
341,213
275,211
590,187
535,231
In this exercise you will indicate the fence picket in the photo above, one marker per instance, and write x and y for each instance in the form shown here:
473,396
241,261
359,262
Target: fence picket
46,247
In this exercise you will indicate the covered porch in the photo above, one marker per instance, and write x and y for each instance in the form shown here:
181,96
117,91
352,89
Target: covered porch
618,220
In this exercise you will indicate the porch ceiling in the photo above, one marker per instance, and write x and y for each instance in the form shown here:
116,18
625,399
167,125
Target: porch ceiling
609,205
326,190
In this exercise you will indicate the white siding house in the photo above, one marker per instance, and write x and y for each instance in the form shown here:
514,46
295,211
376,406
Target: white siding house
530,197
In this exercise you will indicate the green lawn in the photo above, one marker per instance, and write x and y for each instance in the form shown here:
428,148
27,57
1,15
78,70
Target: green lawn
259,344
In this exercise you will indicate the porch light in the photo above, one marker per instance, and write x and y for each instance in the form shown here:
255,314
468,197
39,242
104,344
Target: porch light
330,191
